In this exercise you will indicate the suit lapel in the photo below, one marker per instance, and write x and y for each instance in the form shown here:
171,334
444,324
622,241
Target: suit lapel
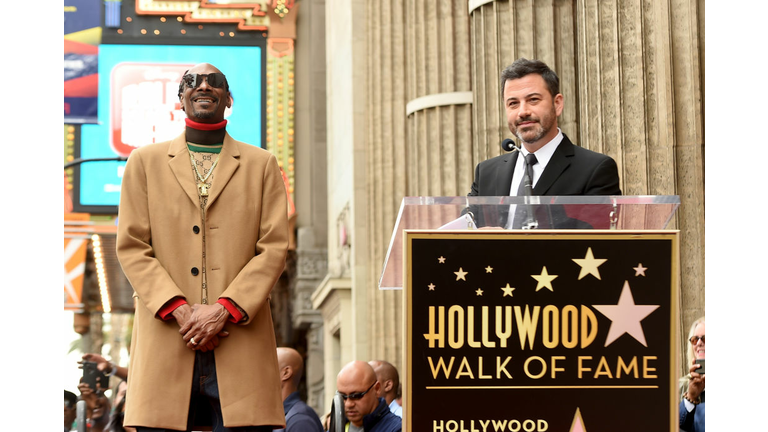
557,164
225,167
503,180
181,166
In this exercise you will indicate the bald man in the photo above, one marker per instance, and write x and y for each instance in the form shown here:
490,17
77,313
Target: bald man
298,416
389,379
358,386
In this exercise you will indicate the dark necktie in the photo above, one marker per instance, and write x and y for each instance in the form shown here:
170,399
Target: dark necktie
521,211
530,161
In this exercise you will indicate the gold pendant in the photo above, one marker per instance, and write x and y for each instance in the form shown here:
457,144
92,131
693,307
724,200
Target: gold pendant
203,189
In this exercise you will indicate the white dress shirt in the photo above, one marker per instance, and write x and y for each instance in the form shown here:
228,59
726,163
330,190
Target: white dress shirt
543,155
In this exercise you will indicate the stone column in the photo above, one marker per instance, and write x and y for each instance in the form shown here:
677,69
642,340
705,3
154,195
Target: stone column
311,191
640,88
419,123
503,31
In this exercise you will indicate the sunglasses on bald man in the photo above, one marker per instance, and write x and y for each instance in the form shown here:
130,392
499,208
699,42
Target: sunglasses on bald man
355,396
216,79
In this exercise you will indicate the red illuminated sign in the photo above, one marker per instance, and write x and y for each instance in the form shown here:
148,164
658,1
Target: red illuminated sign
145,105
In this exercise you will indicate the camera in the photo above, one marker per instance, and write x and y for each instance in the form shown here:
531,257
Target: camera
700,370
92,375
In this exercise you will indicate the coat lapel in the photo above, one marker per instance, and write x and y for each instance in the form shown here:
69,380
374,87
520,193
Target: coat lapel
181,166
229,161
503,181
557,164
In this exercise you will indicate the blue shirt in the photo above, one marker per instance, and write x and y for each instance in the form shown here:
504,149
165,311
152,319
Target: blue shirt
299,417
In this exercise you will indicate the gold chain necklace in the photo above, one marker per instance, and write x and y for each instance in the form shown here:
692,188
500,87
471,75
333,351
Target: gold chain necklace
202,187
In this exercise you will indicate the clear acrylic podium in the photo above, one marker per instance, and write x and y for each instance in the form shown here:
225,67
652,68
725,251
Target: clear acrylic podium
629,213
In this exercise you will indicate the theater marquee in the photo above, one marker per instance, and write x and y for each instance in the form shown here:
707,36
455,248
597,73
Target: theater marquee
541,331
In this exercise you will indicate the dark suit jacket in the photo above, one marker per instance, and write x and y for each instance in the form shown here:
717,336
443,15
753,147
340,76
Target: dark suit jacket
572,170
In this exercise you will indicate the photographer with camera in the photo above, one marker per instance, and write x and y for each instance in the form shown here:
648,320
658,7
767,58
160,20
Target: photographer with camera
93,384
692,403
105,366
97,406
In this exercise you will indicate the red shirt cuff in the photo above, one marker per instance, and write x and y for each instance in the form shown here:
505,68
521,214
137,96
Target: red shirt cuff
165,311
234,315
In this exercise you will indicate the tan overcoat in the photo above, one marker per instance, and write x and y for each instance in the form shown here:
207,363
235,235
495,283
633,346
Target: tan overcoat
246,231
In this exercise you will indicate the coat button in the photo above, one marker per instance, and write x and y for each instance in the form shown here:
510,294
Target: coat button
195,271
196,229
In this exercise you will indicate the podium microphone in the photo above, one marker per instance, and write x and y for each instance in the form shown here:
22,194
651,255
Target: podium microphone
508,145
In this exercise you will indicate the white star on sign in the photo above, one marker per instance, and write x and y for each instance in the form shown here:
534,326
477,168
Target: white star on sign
589,264
431,286
461,274
640,270
441,260
626,316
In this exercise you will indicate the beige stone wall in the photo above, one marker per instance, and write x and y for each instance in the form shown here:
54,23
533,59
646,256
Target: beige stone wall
416,49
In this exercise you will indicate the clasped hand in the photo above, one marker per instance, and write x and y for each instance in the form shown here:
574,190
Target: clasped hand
202,323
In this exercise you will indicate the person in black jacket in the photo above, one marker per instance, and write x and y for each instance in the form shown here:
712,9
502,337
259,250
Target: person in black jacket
357,385
532,104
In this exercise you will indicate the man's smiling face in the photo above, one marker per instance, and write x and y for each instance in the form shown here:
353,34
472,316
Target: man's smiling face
205,103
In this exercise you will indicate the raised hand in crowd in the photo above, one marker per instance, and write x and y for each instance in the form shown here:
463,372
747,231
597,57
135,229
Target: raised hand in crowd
105,366
97,407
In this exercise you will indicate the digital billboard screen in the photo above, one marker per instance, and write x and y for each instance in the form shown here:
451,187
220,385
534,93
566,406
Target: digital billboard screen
138,105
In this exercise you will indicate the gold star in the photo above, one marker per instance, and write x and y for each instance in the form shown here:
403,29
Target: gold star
441,260
431,287
489,269
479,292
461,274
544,279
640,270
589,265
507,290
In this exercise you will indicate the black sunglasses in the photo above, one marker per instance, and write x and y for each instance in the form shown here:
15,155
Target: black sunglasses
355,396
216,79
695,339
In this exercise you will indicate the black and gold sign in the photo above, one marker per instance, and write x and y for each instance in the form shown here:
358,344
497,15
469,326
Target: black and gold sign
541,331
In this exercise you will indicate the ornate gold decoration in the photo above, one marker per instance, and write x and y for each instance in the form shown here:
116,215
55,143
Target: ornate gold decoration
280,102
248,15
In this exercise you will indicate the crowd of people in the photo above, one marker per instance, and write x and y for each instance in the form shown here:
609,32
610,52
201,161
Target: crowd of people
370,408
101,413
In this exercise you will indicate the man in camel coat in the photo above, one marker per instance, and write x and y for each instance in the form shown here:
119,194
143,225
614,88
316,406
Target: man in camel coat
202,238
